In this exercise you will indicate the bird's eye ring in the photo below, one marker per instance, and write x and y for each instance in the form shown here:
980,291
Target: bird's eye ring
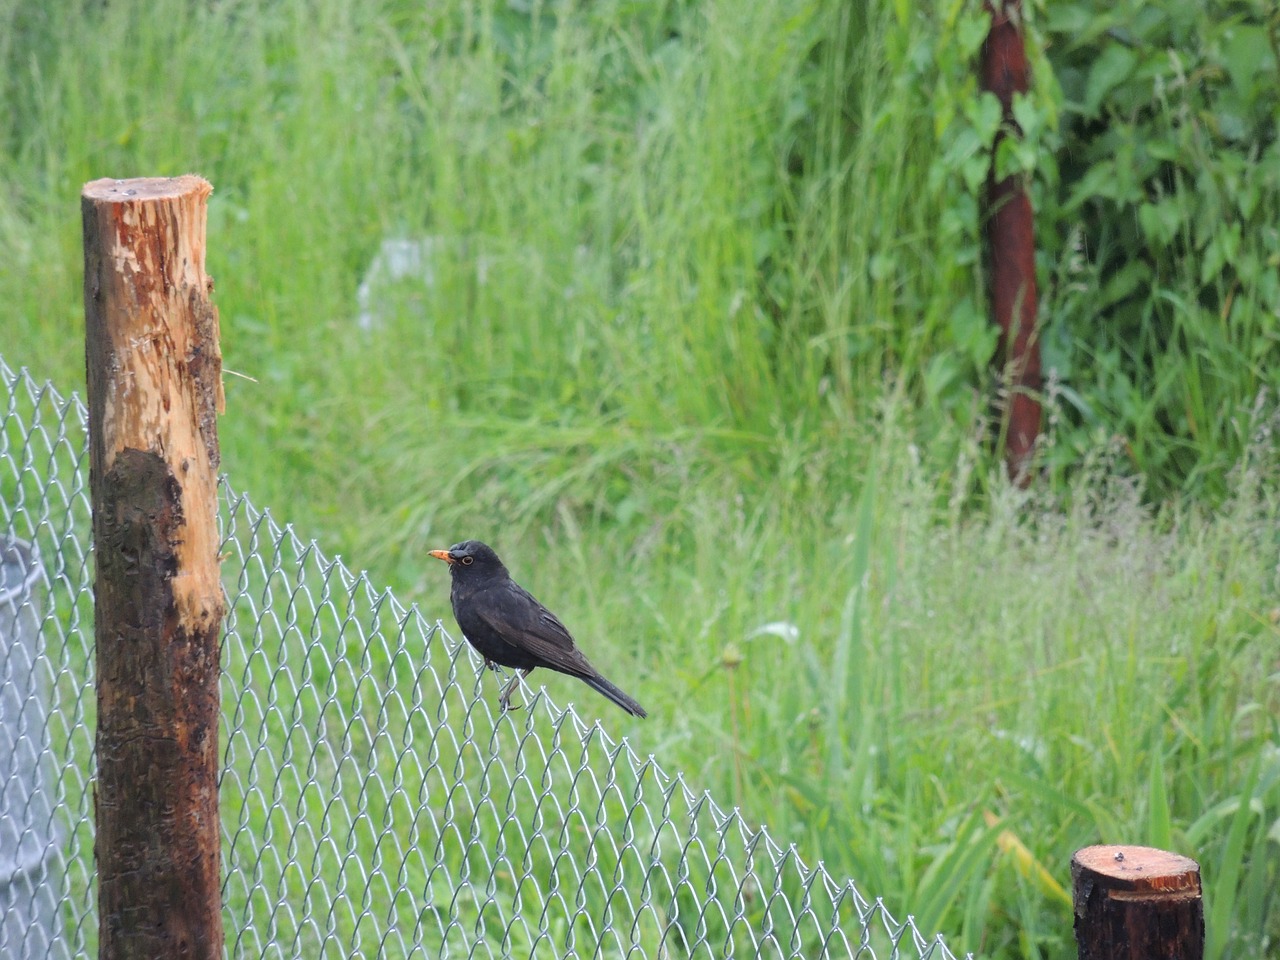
467,561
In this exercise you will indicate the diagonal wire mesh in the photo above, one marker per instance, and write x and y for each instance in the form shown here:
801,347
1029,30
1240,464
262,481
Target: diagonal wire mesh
373,800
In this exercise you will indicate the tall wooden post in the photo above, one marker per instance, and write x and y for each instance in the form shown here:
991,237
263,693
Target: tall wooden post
1137,903
155,388
1011,244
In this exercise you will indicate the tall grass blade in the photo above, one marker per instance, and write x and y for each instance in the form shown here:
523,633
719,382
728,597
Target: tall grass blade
1222,893
1159,827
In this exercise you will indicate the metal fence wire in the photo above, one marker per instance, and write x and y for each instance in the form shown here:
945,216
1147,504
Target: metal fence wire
373,800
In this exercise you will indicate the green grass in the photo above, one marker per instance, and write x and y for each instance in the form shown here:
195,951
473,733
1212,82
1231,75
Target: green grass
700,355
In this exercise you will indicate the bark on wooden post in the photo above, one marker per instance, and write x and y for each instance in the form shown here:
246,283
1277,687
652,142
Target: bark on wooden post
155,388
1137,903
1011,243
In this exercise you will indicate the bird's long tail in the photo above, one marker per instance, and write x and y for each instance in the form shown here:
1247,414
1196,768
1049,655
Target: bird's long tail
601,685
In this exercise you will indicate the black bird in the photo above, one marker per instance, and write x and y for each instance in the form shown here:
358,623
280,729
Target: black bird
507,626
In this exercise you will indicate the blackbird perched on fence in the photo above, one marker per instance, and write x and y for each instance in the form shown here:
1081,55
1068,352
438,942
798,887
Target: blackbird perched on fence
507,626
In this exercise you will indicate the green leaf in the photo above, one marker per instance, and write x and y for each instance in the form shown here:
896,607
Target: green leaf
1161,221
985,114
1102,180
939,375
1220,252
973,332
1163,149
1008,158
1068,18
1110,70
1246,51
1127,279
1028,114
974,171
971,32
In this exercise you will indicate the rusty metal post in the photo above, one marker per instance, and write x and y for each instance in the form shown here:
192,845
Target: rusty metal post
1137,903
1010,229
154,390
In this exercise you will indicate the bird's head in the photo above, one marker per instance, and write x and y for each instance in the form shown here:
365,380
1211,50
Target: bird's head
471,559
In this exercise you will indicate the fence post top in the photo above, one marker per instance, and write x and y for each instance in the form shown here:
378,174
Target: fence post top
108,189
1136,868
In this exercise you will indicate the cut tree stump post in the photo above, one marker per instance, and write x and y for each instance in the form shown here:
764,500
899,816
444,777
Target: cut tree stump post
1137,903
155,389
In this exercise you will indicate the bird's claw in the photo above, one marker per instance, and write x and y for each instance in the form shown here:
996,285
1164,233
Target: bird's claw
504,703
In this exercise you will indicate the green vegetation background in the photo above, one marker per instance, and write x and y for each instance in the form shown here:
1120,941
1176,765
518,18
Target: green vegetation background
699,343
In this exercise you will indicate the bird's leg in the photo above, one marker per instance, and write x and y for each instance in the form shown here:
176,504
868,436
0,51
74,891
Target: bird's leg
504,701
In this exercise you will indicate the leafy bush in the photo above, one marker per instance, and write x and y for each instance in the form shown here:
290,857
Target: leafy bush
1163,228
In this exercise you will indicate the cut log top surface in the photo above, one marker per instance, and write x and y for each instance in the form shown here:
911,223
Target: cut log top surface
1138,868
144,188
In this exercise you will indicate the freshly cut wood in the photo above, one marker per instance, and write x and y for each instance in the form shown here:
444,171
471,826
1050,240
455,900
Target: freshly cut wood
1137,903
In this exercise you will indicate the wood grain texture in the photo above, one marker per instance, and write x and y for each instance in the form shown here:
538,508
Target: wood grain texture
154,389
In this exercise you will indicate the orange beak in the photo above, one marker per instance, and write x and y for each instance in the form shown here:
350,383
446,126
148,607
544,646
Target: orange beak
442,555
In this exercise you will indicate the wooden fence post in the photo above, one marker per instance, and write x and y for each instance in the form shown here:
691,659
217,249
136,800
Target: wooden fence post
155,388
1011,239
1137,903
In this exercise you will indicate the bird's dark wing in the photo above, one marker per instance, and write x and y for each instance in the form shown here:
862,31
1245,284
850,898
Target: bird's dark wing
513,613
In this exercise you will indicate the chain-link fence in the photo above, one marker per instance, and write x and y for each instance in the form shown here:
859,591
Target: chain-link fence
374,802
